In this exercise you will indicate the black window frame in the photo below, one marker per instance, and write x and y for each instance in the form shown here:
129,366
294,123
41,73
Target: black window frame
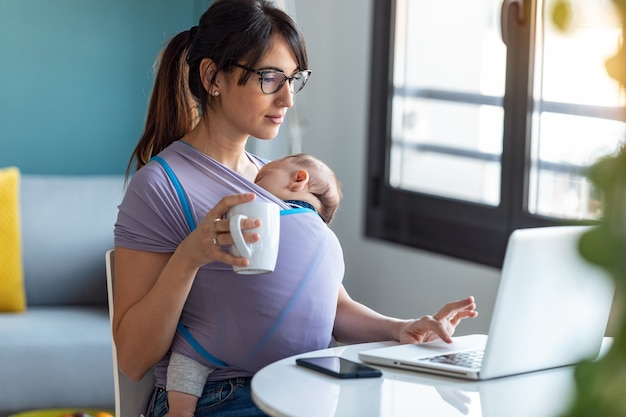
461,229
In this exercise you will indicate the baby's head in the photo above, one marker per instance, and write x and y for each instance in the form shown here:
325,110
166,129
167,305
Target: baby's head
302,177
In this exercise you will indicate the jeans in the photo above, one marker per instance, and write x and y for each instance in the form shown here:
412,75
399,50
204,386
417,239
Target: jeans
230,398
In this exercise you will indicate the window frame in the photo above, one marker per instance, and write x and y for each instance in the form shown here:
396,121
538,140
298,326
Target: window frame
461,229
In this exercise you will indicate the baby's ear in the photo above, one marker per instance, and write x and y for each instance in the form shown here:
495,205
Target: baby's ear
300,180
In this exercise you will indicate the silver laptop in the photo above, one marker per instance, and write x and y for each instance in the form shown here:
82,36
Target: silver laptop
551,310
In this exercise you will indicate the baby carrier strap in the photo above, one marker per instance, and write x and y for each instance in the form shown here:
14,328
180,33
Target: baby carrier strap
184,201
180,191
310,273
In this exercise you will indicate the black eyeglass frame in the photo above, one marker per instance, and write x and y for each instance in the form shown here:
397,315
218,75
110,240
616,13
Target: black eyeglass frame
287,78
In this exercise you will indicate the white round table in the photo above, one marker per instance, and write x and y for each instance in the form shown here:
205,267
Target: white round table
285,389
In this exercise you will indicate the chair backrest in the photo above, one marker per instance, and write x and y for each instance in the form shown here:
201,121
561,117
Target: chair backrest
130,396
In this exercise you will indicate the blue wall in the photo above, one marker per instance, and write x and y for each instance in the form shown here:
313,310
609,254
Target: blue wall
75,79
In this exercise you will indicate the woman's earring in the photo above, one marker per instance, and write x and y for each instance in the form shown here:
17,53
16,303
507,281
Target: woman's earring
216,93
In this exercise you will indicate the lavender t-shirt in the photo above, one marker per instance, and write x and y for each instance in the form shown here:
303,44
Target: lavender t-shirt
245,321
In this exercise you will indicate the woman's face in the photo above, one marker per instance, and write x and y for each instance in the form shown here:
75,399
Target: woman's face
247,111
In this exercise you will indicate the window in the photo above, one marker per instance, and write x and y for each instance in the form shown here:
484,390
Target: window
484,117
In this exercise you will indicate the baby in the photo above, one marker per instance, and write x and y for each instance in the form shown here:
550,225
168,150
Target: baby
301,181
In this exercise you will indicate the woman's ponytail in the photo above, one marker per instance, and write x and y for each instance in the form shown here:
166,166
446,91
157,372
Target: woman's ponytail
173,111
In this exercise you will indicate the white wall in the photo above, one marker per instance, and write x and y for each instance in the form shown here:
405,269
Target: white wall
333,108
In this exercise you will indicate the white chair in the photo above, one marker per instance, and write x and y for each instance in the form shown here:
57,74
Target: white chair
129,395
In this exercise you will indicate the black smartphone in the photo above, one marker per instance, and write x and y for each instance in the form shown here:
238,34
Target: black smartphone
339,367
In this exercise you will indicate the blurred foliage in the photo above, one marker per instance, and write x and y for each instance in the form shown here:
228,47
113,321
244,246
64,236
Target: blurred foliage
601,384
562,15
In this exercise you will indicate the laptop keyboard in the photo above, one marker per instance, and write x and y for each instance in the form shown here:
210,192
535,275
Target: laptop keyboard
469,359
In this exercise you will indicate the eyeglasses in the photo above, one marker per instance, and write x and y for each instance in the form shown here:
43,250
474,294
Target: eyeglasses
272,81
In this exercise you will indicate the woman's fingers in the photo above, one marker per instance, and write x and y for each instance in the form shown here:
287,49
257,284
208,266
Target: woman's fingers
216,233
205,243
222,226
443,324
440,330
452,309
424,329
216,229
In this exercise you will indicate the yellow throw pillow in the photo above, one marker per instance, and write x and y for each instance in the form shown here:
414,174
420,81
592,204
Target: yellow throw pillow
12,294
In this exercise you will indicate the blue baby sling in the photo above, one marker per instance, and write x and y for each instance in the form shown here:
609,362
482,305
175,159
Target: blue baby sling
310,274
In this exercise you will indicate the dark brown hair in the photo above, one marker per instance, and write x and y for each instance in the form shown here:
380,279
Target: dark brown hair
230,31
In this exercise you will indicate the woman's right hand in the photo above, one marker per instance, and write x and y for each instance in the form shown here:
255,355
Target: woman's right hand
152,288
205,244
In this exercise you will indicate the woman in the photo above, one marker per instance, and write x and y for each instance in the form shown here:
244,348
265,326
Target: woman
173,274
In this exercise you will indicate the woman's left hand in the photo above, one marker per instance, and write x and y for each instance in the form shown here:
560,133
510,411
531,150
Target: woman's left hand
441,325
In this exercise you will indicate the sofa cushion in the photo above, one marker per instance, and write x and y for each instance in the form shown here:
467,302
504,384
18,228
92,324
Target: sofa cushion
67,226
56,357
12,297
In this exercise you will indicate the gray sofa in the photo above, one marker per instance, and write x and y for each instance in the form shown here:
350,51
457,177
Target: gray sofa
58,353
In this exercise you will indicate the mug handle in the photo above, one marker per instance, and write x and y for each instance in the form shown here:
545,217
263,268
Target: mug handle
235,231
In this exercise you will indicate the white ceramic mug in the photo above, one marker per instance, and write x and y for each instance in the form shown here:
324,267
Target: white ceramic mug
263,253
